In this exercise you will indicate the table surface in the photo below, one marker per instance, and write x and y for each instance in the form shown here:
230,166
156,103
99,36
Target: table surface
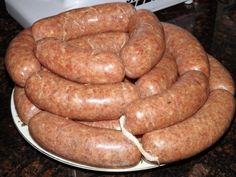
212,22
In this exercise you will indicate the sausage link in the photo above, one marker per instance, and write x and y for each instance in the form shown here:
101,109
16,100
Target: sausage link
20,60
179,102
83,102
195,134
25,109
220,77
145,46
84,21
110,124
186,49
81,143
160,78
101,42
79,65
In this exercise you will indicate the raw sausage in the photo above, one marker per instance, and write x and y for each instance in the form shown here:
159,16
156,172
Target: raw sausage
160,78
145,46
179,102
25,109
83,102
204,128
185,97
20,60
83,66
220,77
101,42
80,143
195,134
84,21
185,48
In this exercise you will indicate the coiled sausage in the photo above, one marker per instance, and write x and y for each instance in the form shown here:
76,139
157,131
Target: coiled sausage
179,102
101,42
25,109
185,48
204,128
195,134
83,66
220,77
160,78
84,21
80,143
83,102
20,60
145,46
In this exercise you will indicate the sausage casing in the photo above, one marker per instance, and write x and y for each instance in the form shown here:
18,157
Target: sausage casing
79,101
83,66
220,77
84,21
160,78
25,109
185,48
195,134
101,42
20,60
179,102
80,143
145,46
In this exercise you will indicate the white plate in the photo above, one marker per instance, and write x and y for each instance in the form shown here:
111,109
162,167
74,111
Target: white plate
23,129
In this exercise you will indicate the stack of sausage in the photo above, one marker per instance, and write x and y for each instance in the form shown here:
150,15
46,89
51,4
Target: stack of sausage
78,72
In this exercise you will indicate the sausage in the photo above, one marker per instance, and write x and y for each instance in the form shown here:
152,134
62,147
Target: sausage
84,21
185,97
179,102
204,128
185,48
20,60
79,65
79,101
83,144
145,46
25,109
110,124
101,42
220,77
195,134
160,78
